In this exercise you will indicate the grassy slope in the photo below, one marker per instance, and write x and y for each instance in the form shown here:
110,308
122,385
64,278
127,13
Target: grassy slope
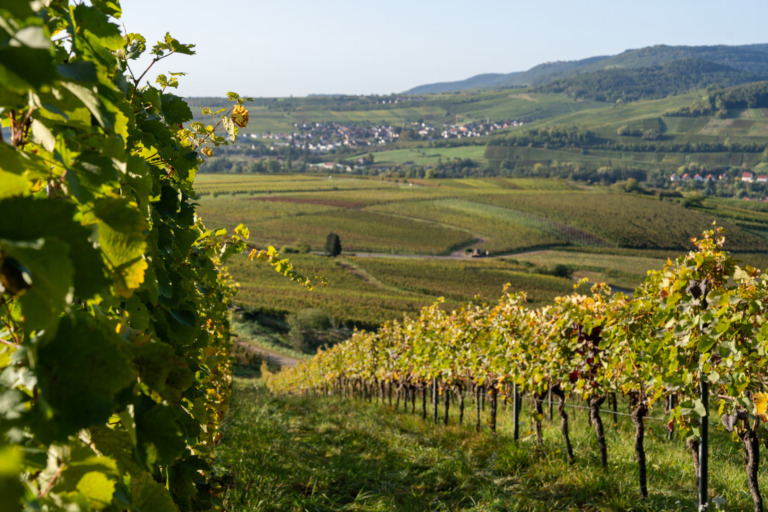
295,454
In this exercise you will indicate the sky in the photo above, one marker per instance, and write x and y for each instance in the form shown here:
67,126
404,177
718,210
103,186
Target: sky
282,48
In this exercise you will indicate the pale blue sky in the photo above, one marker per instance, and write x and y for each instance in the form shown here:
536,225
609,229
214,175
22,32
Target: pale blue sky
300,47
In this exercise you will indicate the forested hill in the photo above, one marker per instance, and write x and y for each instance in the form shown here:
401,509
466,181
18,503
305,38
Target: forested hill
631,84
748,59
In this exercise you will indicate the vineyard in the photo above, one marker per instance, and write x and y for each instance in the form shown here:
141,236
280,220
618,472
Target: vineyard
689,345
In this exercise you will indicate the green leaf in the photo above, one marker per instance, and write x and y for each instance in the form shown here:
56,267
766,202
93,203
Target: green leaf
82,71
89,171
11,489
698,406
50,279
159,433
153,361
117,444
23,68
79,462
80,373
44,218
149,495
706,342
175,109
110,7
90,99
12,185
41,135
94,26
122,240
135,46
97,488
138,314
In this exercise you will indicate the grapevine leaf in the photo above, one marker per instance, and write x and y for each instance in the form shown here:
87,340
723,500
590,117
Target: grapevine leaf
152,361
706,342
117,444
12,185
90,99
104,37
761,405
40,134
11,489
23,68
40,218
698,406
138,314
150,495
110,7
49,273
80,373
82,71
158,433
89,171
122,240
79,462
97,488
175,109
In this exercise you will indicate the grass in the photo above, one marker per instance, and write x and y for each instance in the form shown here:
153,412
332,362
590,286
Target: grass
283,453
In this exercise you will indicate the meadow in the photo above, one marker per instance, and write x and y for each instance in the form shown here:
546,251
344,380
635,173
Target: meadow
419,232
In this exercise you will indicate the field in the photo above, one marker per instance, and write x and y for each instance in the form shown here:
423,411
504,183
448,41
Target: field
410,238
311,453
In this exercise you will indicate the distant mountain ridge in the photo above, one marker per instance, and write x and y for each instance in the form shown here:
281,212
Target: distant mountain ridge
751,60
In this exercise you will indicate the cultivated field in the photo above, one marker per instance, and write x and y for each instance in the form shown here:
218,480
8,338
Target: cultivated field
411,238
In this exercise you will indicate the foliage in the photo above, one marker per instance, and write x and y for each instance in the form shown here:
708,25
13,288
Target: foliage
332,245
659,81
114,322
719,101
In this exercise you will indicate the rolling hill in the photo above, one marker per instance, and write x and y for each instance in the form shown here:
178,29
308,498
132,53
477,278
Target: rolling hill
752,59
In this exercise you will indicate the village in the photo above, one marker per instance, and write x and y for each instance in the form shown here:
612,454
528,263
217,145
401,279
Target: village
324,138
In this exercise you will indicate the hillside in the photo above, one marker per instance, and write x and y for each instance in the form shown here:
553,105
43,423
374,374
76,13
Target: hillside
748,59
658,81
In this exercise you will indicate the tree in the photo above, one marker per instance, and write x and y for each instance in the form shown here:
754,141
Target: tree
332,245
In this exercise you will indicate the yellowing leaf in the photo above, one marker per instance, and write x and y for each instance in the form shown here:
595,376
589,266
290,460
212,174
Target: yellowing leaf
240,116
761,403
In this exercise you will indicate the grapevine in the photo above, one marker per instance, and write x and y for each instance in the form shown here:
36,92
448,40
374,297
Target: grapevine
114,298
701,319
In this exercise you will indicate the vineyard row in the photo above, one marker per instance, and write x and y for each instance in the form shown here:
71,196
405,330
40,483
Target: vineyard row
694,331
